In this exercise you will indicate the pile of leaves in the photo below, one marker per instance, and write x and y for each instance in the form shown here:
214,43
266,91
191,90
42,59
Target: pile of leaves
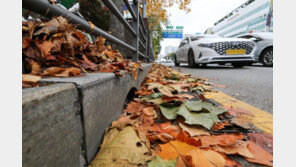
56,48
170,123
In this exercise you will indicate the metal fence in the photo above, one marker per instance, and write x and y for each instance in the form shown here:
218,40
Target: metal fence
136,26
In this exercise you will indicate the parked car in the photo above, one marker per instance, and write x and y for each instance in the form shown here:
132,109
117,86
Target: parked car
211,48
264,42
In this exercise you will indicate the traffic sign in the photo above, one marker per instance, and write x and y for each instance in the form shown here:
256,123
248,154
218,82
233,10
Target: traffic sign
179,27
172,34
169,27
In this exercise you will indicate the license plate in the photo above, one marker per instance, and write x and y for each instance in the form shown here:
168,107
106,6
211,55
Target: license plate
236,51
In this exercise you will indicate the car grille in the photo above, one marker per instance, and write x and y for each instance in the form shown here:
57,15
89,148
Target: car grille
221,47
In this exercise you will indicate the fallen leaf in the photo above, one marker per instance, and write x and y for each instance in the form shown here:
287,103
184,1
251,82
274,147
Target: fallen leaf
158,162
135,74
36,68
121,148
243,120
222,140
122,122
167,127
220,86
260,156
240,148
205,119
149,111
198,158
194,130
173,149
194,105
30,78
263,140
134,107
235,111
45,47
215,158
183,137
219,126
52,71
169,110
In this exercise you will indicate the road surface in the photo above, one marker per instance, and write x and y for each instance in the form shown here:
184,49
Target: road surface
251,84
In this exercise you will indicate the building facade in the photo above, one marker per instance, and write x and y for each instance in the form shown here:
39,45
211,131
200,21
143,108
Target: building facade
254,15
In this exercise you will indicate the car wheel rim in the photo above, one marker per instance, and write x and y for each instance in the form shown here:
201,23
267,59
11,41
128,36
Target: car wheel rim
268,58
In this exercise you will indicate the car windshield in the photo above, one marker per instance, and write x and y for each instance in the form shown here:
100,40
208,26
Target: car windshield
194,38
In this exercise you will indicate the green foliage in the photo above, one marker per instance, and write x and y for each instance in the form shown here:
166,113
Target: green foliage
194,112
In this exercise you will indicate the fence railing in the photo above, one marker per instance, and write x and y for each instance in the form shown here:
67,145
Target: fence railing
136,26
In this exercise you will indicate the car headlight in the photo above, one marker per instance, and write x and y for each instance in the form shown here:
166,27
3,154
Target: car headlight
206,45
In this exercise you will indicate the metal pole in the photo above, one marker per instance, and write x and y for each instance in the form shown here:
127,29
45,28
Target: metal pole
135,25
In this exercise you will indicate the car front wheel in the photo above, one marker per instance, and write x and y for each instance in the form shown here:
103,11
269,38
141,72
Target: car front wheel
176,63
238,65
191,62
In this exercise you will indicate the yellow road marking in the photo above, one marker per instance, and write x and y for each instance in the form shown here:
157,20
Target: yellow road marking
262,120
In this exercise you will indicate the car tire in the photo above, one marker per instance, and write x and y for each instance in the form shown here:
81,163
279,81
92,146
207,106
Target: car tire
267,57
238,65
176,63
191,62
204,65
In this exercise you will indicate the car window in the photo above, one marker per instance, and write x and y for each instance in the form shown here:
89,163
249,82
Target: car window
181,44
187,39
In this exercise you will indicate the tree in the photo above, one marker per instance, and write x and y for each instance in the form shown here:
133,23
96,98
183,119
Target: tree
158,16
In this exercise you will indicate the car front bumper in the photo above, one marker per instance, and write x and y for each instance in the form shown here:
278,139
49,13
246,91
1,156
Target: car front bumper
208,56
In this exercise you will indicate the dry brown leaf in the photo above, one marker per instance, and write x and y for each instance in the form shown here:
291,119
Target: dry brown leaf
134,107
222,140
263,140
30,78
173,149
260,155
36,68
52,71
216,158
240,148
135,73
198,158
194,130
45,47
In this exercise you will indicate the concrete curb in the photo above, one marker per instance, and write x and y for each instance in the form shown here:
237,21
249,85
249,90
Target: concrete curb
99,100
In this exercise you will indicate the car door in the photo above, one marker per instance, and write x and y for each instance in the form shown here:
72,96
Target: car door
185,49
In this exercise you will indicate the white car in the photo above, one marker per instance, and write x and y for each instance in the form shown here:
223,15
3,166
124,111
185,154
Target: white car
209,48
264,43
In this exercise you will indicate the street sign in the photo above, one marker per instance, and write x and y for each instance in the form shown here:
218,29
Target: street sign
169,27
179,27
172,34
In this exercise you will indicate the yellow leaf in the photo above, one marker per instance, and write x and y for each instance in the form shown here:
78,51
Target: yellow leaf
121,148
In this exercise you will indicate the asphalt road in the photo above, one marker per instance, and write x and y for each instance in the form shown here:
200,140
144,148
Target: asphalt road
251,84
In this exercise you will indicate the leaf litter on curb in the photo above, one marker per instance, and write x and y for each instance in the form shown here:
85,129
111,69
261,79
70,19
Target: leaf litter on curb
55,48
165,126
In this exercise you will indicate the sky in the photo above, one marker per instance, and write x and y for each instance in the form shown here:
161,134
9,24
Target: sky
204,13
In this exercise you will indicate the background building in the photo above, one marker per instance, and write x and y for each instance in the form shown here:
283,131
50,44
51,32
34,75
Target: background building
253,15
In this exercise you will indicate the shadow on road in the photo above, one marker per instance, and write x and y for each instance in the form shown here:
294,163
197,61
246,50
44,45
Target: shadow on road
219,67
